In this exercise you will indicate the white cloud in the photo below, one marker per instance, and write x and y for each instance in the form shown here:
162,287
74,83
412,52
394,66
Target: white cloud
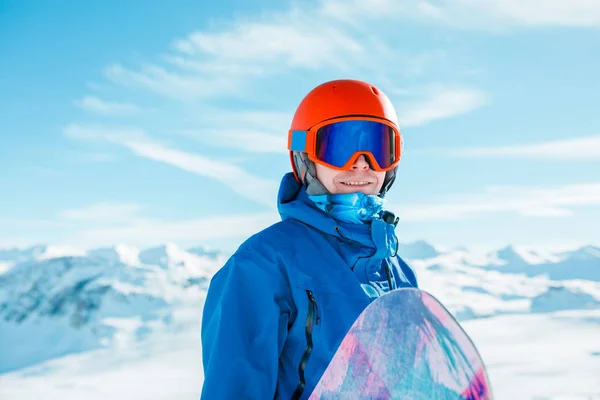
250,131
258,189
255,188
246,140
443,103
229,69
284,38
172,83
145,232
238,55
94,226
98,132
584,148
479,14
34,225
96,105
350,37
556,201
103,212
530,13
220,63
264,120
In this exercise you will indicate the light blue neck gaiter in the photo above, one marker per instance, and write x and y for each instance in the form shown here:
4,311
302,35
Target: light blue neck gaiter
350,207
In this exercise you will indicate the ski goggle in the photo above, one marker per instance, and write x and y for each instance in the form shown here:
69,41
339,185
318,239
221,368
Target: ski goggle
338,143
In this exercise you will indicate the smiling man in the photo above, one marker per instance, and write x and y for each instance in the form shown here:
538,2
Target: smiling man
277,311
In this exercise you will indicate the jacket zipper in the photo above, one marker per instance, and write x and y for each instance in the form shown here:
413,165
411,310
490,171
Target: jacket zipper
313,317
388,272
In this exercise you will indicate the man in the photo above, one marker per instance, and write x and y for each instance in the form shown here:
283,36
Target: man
278,310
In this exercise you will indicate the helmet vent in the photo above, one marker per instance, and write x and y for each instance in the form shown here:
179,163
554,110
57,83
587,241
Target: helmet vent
375,91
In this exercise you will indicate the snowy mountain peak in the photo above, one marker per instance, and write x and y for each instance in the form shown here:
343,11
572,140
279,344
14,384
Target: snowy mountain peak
521,256
50,252
120,253
560,297
418,250
171,256
205,251
510,255
39,252
165,255
585,253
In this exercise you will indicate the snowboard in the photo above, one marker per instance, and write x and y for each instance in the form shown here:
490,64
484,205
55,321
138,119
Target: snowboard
405,345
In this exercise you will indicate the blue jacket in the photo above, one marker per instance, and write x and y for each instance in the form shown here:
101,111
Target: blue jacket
277,311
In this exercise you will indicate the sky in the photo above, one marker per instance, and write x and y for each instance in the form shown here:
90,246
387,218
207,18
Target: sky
144,123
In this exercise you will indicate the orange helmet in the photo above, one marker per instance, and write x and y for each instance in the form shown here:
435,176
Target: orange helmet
341,100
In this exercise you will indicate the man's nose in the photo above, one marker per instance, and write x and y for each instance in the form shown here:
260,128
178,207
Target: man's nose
360,163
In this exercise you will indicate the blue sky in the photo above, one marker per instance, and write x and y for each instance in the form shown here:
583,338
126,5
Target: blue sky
144,123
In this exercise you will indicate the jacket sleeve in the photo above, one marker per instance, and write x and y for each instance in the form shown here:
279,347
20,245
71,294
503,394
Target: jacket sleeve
244,326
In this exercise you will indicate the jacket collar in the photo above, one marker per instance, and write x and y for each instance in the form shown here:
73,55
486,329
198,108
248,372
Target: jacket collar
294,203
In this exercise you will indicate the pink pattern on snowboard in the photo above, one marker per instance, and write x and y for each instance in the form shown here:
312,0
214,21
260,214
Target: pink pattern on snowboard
405,345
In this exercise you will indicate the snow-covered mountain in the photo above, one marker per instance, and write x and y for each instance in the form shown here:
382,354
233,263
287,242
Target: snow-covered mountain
58,301
51,306
510,281
418,250
582,263
11,257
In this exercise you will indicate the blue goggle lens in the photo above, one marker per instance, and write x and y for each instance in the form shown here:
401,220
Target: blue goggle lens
338,142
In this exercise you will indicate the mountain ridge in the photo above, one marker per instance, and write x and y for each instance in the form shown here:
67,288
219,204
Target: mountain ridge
118,295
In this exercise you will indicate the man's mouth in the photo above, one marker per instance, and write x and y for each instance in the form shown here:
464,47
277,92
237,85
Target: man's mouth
356,183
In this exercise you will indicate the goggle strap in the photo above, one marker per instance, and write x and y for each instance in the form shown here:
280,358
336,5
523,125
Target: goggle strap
298,141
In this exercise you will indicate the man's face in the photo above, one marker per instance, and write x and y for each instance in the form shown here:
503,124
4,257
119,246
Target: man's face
360,178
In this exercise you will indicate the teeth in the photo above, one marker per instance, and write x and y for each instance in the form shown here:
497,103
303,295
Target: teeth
356,183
